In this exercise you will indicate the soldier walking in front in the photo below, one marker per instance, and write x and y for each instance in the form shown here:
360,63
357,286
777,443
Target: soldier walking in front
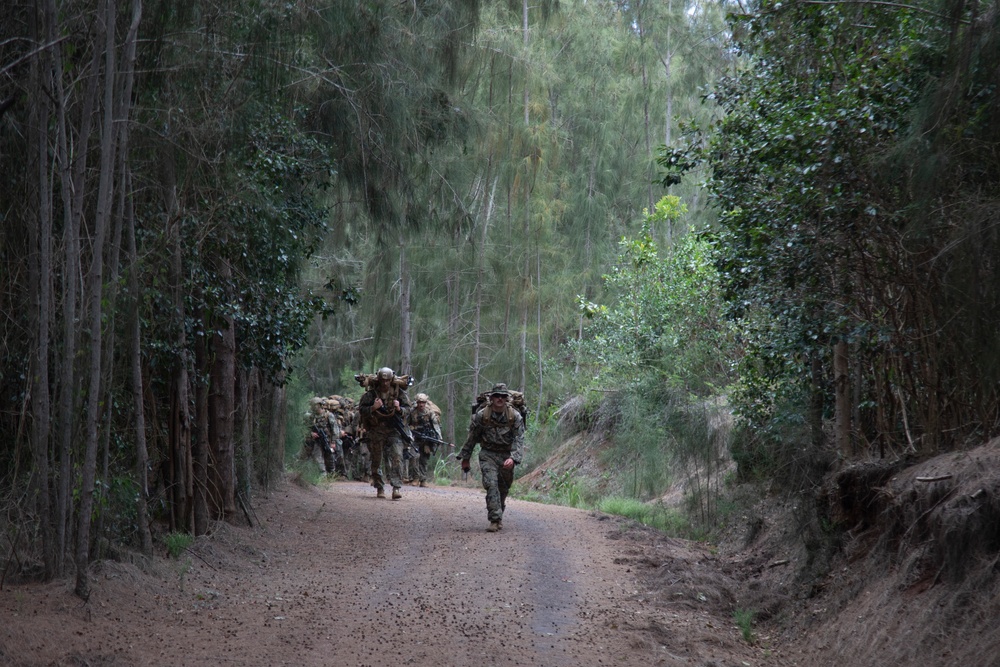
499,430
383,409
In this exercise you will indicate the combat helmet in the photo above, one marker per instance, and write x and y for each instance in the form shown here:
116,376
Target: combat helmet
385,373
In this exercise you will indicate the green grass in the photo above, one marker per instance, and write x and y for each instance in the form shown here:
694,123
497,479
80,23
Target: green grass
744,621
661,518
177,543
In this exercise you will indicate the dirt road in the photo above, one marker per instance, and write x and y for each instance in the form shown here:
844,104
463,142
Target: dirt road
332,576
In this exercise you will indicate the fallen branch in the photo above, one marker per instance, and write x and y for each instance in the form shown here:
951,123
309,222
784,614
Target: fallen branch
938,478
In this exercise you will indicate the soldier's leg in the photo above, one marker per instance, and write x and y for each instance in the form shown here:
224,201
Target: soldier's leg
505,478
328,460
490,471
422,466
394,454
340,459
375,456
366,461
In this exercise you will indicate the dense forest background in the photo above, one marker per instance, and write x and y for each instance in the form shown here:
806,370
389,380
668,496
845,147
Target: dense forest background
646,215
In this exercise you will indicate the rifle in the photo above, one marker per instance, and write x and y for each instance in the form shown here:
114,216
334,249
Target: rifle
323,440
397,423
431,438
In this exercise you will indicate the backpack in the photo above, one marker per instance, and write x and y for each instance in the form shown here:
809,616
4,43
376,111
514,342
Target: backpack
367,380
516,401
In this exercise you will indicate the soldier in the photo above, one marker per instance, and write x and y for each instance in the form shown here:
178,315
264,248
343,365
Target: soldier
318,434
425,422
336,435
349,441
499,430
383,409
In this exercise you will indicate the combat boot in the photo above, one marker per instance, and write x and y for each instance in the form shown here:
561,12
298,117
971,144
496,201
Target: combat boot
396,495
380,493
494,527
423,484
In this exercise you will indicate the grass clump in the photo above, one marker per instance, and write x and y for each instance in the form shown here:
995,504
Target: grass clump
744,621
177,543
666,520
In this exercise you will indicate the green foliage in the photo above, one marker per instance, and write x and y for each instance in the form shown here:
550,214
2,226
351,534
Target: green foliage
744,621
564,488
653,515
443,472
844,217
666,318
176,543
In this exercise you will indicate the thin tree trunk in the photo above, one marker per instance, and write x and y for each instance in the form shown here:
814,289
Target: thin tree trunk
180,418
222,469
816,400
645,111
526,281
276,434
538,322
243,442
451,284
842,392
405,325
138,404
40,286
200,446
88,470
73,172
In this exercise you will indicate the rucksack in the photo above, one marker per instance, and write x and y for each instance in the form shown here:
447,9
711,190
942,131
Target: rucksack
516,401
367,380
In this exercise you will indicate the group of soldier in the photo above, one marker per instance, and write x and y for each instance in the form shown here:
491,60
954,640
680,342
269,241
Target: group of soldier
354,439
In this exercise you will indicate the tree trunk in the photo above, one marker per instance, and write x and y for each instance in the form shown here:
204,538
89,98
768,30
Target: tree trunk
816,400
200,446
276,434
179,483
451,283
526,281
405,325
88,470
222,469
243,435
138,404
40,287
842,391
72,177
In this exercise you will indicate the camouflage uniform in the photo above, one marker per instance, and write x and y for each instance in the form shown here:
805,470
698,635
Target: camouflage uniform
319,423
336,444
424,420
500,436
350,441
383,438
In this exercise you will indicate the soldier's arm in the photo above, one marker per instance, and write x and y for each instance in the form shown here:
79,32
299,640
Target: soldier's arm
517,447
470,440
404,405
366,408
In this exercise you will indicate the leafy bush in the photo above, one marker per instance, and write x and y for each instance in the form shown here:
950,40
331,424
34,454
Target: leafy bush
665,319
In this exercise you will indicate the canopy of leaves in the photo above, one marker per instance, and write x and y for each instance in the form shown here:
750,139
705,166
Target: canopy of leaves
858,147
